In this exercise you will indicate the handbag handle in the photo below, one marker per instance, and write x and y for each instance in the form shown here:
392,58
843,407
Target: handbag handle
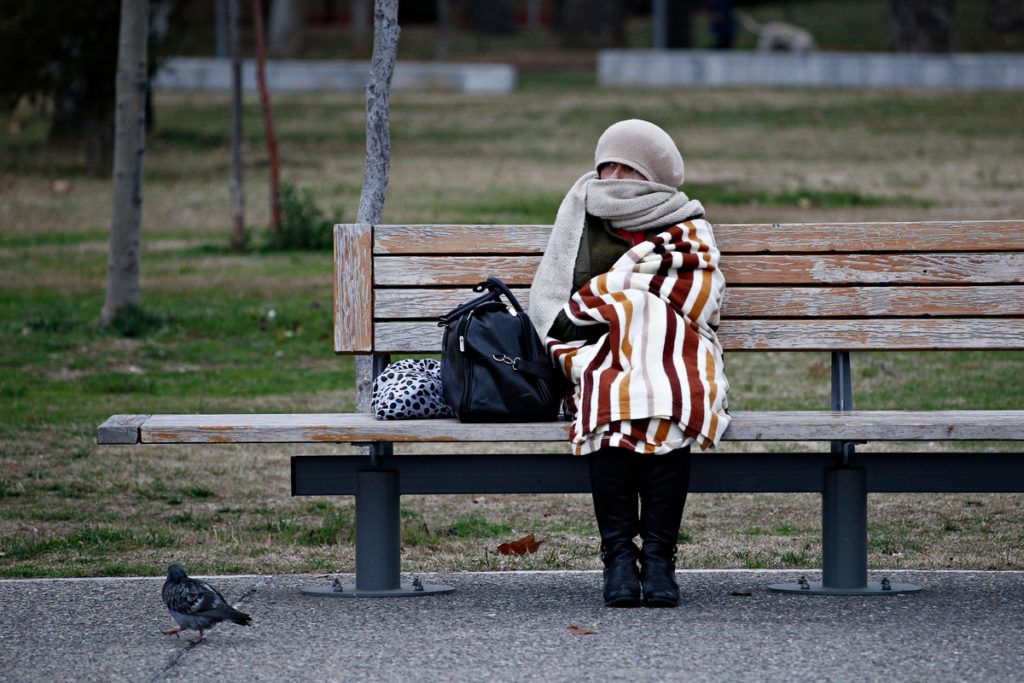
456,313
495,288
494,284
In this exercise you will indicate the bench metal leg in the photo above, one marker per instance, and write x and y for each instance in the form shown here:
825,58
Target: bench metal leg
844,528
378,531
844,515
844,541
378,543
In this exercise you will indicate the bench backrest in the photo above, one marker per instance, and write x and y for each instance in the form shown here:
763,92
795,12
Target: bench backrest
831,287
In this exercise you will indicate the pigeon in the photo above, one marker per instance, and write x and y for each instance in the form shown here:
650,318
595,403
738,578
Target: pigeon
196,605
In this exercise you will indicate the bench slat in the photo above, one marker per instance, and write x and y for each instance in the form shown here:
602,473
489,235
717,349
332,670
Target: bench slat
120,429
876,269
761,426
817,269
791,335
460,239
765,302
353,298
902,302
953,236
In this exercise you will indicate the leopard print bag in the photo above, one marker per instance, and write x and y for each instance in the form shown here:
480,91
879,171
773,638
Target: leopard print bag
409,389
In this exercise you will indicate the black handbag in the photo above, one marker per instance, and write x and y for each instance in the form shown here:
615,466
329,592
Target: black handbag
494,367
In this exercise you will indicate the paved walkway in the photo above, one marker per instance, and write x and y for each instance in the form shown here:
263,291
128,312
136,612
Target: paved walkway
966,626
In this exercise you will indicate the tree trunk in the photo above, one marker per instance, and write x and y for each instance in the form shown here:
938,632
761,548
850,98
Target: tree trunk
444,25
378,148
268,121
129,144
284,27
922,25
360,12
99,140
592,23
222,30
238,238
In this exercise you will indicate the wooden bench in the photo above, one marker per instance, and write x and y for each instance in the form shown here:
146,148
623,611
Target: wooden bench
829,287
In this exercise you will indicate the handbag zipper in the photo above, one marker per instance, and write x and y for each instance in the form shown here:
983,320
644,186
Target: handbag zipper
467,373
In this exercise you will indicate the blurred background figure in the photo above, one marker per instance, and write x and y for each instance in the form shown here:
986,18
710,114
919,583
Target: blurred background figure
723,24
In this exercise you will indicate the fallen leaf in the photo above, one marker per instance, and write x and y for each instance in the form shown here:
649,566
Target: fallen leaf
526,544
581,630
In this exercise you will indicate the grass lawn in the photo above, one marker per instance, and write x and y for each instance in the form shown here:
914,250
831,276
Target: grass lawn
251,332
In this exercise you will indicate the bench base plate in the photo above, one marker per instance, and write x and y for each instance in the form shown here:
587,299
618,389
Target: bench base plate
406,590
818,588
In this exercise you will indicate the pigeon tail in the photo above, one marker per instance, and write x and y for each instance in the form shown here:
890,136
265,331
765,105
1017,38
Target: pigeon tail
240,618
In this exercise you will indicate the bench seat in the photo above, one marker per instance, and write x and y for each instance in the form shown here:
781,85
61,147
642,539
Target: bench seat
859,425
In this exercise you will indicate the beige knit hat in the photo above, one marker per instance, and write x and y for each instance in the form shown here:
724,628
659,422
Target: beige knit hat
645,147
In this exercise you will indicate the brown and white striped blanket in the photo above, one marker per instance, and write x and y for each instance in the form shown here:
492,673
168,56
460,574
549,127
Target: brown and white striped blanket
655,381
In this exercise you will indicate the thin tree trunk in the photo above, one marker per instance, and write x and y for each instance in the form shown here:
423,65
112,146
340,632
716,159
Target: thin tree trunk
221,19
360,13
378,148
99,141
129,145
283,27
268,121
378,123
238,237
444,23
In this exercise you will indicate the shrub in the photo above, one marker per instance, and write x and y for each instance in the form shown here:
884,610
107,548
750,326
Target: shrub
303,225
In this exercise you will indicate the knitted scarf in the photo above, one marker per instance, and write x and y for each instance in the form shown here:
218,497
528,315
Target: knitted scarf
627,204
655,381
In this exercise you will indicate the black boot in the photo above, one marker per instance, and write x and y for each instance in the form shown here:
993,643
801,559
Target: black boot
613,481
664,483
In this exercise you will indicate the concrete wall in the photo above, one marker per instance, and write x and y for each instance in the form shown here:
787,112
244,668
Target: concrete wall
188,73
673,68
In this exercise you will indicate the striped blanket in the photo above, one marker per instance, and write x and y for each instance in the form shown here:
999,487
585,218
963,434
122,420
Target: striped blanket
655,381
